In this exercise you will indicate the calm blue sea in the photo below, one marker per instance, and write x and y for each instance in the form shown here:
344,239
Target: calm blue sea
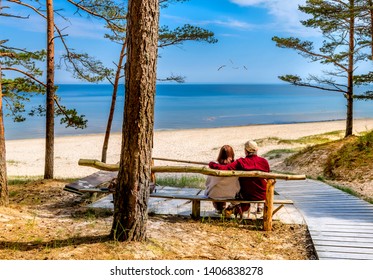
184,106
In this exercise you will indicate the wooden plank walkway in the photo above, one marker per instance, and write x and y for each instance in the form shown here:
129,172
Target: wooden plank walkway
340,225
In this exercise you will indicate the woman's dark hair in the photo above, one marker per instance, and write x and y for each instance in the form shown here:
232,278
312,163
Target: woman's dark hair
226,155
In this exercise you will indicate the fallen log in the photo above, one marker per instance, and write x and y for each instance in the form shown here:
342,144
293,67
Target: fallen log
196,169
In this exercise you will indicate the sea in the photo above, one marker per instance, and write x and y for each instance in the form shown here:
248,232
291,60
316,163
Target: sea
188,106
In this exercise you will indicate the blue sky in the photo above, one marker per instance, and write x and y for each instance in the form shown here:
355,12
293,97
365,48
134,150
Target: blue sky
244,29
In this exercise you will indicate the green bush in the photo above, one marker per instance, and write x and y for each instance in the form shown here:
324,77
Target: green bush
365,142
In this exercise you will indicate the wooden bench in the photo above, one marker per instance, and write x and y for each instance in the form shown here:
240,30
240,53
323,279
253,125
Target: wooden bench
196,202
98,183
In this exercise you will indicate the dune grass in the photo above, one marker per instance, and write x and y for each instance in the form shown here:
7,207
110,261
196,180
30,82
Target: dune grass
16,180
182,181
278,153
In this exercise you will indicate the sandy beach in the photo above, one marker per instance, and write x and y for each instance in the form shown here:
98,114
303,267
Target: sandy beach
26,157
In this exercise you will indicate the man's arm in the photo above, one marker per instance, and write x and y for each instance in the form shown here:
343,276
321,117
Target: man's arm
232,166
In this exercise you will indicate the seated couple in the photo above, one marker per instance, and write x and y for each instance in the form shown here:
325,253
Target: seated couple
233,187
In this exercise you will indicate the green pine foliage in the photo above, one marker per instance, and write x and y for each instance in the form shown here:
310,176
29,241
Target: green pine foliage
184,33
17,91
27,83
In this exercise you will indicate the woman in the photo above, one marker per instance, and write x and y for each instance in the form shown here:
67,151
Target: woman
222,187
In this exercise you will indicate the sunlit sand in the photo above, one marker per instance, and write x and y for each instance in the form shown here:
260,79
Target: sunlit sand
26,157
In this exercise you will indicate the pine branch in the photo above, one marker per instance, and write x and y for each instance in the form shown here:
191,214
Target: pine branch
28,6
24,73
109,21
297,81
10,15
172,78
9,54
305,49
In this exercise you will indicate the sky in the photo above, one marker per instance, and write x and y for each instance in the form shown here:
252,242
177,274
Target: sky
244,53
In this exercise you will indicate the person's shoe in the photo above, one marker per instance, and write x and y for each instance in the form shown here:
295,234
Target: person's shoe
237,211
220,206
227,212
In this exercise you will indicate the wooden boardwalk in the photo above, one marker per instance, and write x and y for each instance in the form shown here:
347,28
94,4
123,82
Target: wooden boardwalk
341,225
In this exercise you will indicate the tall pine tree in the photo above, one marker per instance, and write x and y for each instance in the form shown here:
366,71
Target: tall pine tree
132,190
342,48
52,107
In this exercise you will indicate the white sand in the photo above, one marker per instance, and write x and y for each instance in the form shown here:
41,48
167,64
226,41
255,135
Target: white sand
26,157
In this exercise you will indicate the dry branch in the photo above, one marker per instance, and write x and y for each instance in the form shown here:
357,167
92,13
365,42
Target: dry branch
179,160
196,169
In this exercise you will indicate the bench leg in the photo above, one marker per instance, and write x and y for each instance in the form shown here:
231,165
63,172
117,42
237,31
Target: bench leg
196,209
152,174
268,205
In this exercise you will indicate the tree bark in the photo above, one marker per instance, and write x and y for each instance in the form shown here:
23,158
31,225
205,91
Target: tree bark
132,190
350,72
370,3
113,102
49,128
4,194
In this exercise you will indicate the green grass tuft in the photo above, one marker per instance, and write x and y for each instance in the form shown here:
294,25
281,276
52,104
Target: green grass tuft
365,142
306,140
13,162
278,153
16,180
314,139
182,181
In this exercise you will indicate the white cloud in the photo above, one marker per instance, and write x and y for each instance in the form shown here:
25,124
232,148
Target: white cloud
250,2
84,28
285,13
76,26
229,23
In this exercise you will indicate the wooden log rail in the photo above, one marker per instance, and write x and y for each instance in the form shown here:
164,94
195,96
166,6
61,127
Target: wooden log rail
196,169
270,176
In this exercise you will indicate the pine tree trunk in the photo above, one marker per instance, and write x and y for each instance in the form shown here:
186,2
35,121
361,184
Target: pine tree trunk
370,3
132,191
350,72
49,129
4,195
349,120
112,106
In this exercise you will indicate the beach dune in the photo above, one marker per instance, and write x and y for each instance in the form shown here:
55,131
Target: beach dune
26,157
